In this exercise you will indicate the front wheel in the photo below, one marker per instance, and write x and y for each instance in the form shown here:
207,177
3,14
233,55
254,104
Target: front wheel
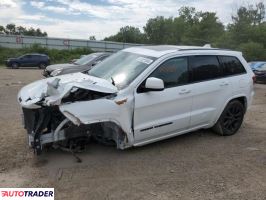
230,119
14,65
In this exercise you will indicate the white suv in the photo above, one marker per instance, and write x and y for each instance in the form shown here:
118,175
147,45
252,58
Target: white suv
140,95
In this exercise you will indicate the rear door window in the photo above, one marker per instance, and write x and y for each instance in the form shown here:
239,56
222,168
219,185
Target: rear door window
231,65
205,68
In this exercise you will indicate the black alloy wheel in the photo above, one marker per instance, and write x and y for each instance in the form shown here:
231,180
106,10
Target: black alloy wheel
231,119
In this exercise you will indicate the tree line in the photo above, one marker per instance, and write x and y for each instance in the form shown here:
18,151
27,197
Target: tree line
246,32
12,29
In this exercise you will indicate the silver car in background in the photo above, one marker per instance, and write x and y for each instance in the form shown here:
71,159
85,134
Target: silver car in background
83,64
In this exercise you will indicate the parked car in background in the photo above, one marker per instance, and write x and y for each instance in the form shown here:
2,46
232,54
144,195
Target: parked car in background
74,60
256,64
140,95
260,73
83,64
29,60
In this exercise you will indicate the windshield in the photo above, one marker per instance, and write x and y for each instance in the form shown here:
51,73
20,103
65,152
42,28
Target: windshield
121,68
262,68
85,59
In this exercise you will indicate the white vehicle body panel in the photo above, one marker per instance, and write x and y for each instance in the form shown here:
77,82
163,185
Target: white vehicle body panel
150,116
161,113
208,99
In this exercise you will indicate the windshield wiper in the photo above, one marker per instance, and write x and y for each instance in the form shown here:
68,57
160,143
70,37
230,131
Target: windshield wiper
113,82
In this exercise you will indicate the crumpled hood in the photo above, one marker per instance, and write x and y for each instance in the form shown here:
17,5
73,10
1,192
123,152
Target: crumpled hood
59,66
50,91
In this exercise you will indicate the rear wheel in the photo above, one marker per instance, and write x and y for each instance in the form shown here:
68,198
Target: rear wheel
230,119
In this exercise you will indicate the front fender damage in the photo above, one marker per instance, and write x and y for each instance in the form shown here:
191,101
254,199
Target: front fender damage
109,113
60,109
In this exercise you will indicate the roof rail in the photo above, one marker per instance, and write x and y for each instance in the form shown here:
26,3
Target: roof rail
204,49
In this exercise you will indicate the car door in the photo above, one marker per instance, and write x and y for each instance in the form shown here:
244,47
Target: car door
26,61
22,61
35,60
211,89
158,114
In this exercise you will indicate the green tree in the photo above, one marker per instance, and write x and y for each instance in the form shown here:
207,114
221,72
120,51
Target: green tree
203,28
10,29
21,30
246,21
253,51
2,30
160,30
191,27
128,34
92,37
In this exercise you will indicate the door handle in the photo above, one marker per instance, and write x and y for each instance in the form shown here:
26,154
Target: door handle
224,83
184,91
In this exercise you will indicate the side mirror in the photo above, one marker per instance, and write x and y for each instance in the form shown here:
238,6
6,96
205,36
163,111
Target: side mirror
154,84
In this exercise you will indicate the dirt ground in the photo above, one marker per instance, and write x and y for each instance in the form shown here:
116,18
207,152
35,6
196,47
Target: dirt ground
199,165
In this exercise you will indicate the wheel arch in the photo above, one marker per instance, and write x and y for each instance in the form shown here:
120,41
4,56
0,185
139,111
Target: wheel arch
15,62
241,98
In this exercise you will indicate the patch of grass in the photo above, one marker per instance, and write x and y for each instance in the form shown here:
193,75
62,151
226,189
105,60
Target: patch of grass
56,56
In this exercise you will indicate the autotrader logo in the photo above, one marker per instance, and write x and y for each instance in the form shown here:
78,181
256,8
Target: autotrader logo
27,193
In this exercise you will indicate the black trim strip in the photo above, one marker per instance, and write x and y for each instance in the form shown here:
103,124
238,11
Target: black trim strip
163,125
146,129
157,126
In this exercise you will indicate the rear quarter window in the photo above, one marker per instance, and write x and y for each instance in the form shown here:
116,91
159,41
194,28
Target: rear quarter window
231,65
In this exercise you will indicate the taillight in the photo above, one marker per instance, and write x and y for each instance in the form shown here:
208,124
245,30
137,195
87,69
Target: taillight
254,79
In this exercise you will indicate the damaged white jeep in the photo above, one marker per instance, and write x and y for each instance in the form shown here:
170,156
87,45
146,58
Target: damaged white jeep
140,95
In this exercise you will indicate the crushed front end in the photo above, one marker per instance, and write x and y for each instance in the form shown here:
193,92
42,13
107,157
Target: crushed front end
71,109
40,124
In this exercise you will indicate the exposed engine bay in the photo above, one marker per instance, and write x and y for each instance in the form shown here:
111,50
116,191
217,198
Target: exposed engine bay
62,113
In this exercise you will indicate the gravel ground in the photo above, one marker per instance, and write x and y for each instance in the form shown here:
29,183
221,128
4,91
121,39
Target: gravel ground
199,165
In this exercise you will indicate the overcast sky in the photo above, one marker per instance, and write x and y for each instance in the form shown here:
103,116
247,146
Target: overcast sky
83,18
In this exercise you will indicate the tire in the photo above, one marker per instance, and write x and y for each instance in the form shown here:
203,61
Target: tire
231,119
42,65
14,65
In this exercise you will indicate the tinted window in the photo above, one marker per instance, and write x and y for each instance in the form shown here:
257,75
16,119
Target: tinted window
27,57
231,65
36,57
205,68
173,72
